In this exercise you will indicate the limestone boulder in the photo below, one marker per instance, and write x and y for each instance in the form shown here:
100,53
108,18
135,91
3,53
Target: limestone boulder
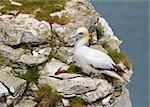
24,29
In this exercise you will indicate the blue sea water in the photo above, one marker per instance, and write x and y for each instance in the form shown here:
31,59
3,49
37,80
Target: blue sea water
129,21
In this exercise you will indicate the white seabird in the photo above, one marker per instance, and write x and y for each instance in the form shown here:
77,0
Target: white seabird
91,60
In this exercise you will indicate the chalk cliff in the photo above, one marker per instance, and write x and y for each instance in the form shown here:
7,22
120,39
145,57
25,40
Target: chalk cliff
36,59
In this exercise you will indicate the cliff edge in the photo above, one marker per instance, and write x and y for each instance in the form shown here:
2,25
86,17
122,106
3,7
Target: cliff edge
36,56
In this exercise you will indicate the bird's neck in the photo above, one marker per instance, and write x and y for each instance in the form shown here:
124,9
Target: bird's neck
82,42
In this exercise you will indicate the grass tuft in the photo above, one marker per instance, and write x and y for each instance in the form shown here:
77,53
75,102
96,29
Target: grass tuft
77,102
73,68
99,32
39,8
120,57
46,96
32,75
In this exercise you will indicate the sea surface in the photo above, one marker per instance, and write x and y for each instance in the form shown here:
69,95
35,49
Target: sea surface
129,21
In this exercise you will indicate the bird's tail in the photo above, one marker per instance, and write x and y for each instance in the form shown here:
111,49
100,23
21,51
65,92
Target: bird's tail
119,69
113,74
126,74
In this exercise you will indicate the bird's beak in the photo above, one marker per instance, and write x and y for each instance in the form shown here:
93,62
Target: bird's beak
77,36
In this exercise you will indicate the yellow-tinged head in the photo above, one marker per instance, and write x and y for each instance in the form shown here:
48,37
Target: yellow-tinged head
83,31
83,36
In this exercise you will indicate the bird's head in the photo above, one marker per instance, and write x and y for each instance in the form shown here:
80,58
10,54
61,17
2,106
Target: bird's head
82,32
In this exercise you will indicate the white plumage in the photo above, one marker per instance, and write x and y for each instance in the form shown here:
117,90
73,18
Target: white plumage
90,59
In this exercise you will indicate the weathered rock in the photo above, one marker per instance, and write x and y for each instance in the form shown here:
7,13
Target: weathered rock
68,75
22,56
124,99
6,17
32,60
10,53
65,102
77,85
109,39
65,54
26,103
24,29
85,17
52,67
3,105
90,89
105,101
15,86
37,35
103,89
97,104
3,90
15,3
66,32
45,51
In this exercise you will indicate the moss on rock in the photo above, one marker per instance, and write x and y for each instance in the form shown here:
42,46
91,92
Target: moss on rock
46,96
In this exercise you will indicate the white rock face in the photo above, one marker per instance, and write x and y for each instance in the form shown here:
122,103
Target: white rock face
15,3
65,102
27,41
102,90
65,54
3,90
30,59
20,55
124,99
52,67
11,85
23,29
89,89
26,103
112,41
10,53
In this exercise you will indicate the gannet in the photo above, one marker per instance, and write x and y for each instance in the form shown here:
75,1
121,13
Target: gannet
91,60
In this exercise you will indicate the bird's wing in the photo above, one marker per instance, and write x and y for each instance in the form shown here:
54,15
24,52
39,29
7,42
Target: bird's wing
97,59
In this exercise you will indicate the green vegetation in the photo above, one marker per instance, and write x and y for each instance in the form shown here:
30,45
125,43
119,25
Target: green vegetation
1,60
29,6
46,97
120,57
39,8
77,102
99,32
52,42
73,68
32,75
27,46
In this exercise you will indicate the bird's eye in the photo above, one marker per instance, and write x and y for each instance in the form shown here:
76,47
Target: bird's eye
81,33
